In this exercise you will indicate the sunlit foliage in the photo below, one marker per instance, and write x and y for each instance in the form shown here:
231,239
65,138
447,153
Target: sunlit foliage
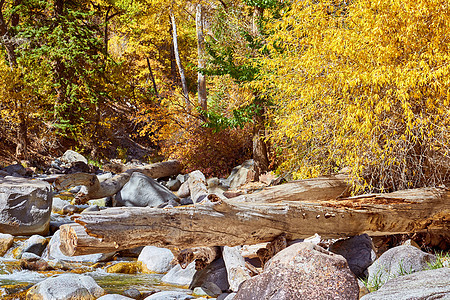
363,84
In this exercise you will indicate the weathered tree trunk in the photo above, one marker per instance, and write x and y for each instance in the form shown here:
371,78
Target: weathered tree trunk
109,187
201,81
197,186
180,66
5,35
261,217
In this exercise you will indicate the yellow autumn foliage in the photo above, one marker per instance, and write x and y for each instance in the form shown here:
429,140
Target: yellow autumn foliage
364,85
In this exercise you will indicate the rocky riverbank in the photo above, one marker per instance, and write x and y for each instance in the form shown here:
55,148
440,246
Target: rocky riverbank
32,265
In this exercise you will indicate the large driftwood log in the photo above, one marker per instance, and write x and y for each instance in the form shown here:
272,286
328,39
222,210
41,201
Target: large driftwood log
261,217
96,189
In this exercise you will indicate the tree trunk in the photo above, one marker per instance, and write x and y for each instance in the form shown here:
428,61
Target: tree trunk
59,68
180,66
152,78
260,217
22,137
201,81
6,38
109,187
260,155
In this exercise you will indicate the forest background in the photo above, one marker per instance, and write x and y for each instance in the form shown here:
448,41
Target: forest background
305,88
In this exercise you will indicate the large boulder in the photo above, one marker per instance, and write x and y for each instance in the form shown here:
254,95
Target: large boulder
430,284
67,287
214,274
358,251
142,191
25,206
240,175
302,271
180,276
70,157
401,260
53,252
35,244
156,260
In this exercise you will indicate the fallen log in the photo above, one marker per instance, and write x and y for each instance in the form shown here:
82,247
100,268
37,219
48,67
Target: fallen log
96,189
249,220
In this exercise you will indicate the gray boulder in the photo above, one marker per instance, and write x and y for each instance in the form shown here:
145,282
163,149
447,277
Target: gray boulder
154,259
142,191
430,284
302,271
173,184
58,204
54,252
169,295
35,244
15,170
179,276
67,287
215,274
6,241
358,251
70,157
240,175
398,261
25,206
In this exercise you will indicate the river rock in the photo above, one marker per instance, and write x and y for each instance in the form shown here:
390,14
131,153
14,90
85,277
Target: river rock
25,206
6,241
183,191
54,252
302,271
142,191
169,295
237,272
214,274
58,204
15,170
156,260
397,261
114,297
240,175
179,276
430,284
35,244
173,184
71,156
358,251
68,287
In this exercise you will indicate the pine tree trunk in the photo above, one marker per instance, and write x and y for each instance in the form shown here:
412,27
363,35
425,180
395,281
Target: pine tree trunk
201,81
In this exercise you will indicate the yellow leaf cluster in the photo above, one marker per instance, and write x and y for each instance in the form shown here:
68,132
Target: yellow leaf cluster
364,85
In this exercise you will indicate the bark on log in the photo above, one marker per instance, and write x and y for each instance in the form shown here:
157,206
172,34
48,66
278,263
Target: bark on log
203,256
96,189
257,218
197,186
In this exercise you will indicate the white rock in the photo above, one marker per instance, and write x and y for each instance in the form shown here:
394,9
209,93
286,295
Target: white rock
66,286
179,276
154,259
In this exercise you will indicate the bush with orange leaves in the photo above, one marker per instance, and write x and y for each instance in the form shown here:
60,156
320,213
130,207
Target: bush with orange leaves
213,153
